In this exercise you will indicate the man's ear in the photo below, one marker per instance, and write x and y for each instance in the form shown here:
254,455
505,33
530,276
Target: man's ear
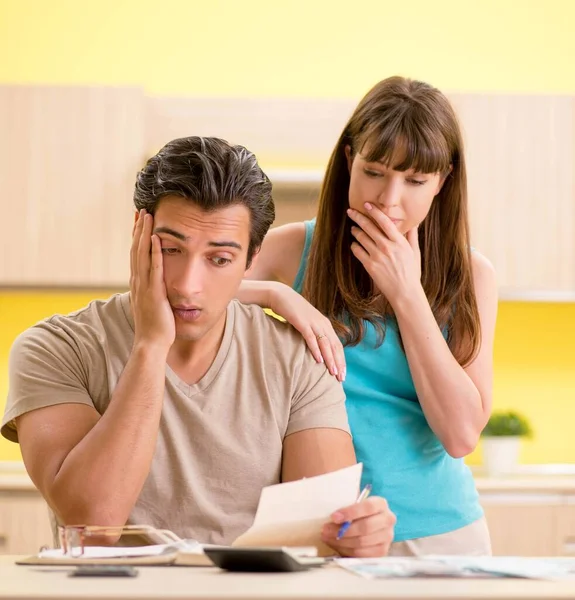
250,264
349,157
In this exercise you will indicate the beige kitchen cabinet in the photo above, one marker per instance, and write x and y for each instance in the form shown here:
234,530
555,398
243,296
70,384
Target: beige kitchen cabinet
69,156
520,152
24,522
68,161
566,528
530,515
519,529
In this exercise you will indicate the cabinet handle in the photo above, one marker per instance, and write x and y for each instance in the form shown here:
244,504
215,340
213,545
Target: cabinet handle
3,540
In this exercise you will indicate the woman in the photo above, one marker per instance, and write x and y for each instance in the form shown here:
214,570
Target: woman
387,268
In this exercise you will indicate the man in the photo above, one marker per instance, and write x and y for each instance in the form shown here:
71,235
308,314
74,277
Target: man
174,405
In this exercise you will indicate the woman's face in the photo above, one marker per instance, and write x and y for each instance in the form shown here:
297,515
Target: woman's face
404,196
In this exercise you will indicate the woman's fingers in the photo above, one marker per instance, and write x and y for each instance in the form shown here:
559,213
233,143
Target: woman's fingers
312,343
384,223
369,227
325,348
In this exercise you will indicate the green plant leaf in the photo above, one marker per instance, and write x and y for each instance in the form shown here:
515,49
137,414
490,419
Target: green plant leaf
507,423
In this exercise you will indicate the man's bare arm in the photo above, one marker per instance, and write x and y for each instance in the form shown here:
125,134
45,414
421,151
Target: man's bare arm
91,469
316,451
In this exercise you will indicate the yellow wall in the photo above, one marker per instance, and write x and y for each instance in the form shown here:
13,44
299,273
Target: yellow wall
298,47
535,374
534,353
19,310
317,48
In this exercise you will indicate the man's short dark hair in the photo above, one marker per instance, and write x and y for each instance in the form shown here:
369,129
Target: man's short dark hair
212,174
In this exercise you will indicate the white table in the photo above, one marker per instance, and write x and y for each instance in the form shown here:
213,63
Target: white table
155,583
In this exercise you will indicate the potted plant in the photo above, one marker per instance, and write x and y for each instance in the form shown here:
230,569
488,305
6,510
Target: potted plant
501,441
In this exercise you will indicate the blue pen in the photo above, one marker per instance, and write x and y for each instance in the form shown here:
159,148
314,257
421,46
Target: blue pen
346,525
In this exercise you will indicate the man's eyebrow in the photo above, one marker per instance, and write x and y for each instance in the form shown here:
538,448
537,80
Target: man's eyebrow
185,238
225,245
172,232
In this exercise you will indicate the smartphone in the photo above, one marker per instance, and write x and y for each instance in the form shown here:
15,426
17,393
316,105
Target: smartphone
104,571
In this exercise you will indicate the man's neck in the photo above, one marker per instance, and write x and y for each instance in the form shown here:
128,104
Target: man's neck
191,360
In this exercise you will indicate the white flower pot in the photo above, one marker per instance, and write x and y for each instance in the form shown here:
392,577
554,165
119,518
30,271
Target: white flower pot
500,454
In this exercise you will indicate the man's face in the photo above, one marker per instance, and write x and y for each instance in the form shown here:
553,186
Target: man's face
204,258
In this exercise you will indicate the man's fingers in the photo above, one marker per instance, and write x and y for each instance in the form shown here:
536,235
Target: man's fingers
143,255
361,527
360,510
157,264
368,552
375,538
136,234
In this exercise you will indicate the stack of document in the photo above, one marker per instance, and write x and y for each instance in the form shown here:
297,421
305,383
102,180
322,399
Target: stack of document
461,566
183,553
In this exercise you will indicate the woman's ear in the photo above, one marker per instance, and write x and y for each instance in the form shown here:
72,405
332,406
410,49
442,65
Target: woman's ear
443,177
348,157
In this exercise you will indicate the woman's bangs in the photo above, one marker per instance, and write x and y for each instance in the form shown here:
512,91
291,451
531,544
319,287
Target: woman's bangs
403,146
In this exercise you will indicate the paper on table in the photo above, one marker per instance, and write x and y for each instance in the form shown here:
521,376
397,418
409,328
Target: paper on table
460,566
293,513
401,566
514,566
185,546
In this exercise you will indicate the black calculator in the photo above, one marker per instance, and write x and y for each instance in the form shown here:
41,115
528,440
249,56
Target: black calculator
260,560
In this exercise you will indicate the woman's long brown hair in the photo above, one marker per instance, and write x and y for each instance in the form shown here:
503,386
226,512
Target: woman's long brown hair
411,117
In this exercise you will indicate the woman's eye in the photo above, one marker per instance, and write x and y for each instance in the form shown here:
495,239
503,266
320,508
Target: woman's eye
416,181
170,251
371,173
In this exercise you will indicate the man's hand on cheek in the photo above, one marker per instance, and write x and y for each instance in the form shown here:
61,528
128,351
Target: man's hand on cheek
153,316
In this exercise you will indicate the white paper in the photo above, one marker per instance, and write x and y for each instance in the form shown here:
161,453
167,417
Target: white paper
391,567
311,498
514,566
293,514
125,552
460,566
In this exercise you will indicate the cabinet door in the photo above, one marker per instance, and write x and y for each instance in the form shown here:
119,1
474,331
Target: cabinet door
24,523
566,527
68,163
520,156
523,524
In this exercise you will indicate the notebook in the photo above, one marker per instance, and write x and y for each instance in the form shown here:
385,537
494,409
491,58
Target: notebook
184,553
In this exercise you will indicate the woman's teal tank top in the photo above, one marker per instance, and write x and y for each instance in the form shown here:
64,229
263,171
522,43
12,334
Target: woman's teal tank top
429,491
